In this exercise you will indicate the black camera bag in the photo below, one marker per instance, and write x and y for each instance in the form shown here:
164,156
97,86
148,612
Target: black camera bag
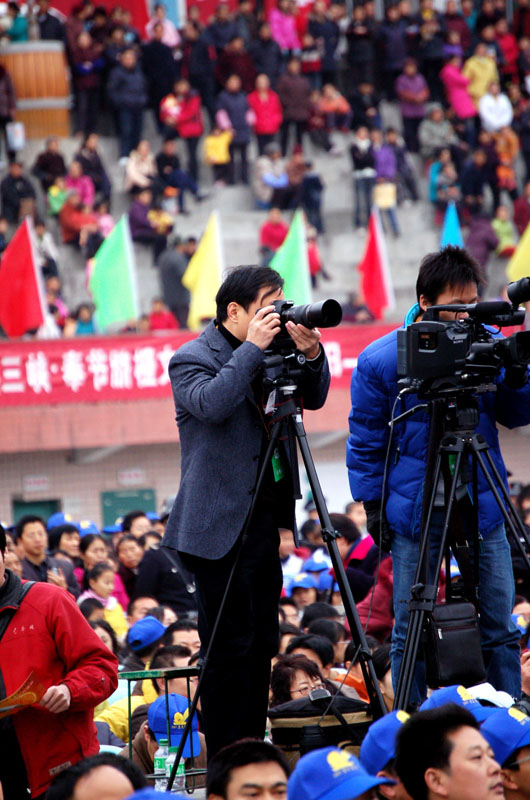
451,643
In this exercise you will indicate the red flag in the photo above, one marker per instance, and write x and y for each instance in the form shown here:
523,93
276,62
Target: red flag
21,295
376,281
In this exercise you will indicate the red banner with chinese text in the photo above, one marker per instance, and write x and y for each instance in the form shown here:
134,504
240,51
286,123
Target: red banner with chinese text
128,368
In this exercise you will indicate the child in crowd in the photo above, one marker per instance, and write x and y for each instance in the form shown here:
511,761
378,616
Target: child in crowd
101,586
271,235
105,220
311,61
47,251
217,153
336,109
57,195
503,227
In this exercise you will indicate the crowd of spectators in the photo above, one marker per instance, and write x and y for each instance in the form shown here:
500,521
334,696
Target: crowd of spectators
287,82
135,597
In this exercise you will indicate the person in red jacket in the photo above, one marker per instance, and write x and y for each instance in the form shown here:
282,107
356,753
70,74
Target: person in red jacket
271,235
267,110
181,112
43,634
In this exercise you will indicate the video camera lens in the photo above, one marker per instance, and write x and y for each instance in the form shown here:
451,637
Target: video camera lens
326,314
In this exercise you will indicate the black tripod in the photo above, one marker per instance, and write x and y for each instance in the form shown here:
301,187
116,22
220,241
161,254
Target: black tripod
286,418
458,415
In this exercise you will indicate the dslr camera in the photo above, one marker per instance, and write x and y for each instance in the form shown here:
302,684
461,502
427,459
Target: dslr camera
436,356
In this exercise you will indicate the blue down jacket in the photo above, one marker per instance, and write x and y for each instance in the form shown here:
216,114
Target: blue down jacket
373,392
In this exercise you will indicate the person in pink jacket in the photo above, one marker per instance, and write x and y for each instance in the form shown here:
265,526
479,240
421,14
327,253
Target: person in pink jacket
283,26
267,110
81,183
456,88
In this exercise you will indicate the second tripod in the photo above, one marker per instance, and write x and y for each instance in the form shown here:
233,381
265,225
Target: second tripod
458,444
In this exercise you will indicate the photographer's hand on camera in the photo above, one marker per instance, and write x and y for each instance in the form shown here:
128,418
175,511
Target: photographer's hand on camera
307,340
263,327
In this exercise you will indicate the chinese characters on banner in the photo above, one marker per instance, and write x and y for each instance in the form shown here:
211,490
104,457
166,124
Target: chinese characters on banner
129,368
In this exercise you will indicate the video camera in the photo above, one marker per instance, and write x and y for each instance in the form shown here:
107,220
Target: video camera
435,355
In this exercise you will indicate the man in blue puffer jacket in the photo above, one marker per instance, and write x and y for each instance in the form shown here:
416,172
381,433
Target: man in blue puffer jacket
449,276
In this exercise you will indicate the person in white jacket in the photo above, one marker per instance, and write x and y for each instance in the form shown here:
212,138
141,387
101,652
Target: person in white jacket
495,109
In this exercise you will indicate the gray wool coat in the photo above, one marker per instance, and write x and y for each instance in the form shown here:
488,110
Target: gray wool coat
221,433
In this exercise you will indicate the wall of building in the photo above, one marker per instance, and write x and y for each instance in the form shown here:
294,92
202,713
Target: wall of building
77,483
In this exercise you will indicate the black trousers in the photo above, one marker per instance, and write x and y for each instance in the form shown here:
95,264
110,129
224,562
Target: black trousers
234,696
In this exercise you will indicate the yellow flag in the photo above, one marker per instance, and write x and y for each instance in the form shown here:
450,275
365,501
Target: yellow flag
203,275
519,263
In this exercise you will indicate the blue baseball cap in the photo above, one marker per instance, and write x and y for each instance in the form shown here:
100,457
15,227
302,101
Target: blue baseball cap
60,518
87,526
506,730
462,697
379,744
153,516
330,774
520,622
146,631
178,716
319,562
326,582
302,581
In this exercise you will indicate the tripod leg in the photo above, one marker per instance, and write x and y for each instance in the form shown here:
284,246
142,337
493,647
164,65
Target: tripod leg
514,523
365,657
423,596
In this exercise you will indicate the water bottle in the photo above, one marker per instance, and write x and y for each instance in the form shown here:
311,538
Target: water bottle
179,784
160,760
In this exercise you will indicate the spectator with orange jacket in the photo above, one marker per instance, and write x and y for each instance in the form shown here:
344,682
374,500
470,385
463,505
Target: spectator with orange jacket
181,112
267,110
45,636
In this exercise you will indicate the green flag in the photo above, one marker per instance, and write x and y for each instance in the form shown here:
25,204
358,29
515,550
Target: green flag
292,264
112,281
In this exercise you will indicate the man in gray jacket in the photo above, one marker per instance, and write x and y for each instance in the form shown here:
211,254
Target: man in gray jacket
224,432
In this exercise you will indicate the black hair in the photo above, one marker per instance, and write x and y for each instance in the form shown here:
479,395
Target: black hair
25,520
287,627
98,570
329,628
283,674
178,625
239,754
104,625
287,601
351,652
54,535
86,607
165,656
346,527
321,646
127,537
423,743
381,660
87,540
129,519
450,267
63,785
3,540
524,494
143,538
318,611
132,603
242,285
